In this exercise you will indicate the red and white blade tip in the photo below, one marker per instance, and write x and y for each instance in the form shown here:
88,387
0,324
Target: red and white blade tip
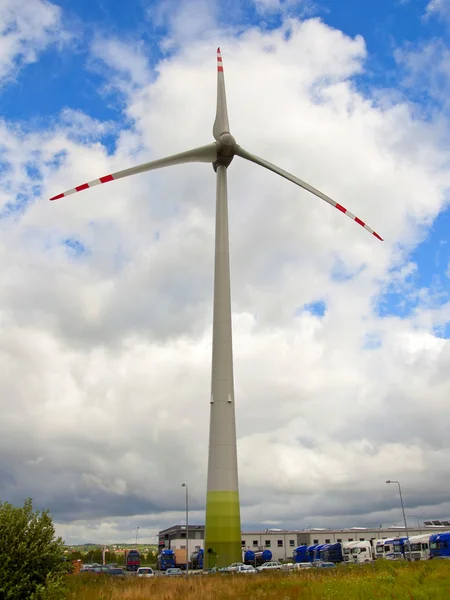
357,220
219,61
84,186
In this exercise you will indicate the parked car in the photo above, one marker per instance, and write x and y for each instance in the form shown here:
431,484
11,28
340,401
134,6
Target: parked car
174,572
246,569
234,566
93,570
324,565
270,566
215,570
145,572
212,571
101,569
302,565
116,572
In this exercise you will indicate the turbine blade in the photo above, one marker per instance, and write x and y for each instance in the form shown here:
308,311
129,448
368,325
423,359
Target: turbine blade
267,165
221,124
203,154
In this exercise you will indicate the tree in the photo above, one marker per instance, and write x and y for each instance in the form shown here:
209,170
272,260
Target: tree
32,565
111,557
96,556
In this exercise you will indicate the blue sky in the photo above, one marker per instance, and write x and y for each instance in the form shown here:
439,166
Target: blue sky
105,297
64,78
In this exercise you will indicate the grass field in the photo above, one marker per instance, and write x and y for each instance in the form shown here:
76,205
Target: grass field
428,580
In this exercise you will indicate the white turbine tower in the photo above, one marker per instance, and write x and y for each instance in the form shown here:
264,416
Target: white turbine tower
222,521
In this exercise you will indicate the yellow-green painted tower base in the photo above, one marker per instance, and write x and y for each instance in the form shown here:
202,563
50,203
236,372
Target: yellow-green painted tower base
223,525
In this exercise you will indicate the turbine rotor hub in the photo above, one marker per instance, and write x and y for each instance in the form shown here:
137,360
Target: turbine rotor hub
226,139
225,150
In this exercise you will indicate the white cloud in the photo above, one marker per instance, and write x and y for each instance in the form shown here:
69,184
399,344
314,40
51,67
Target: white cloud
426,69
125,61
105,354
285,7
440,8
27,28
185,20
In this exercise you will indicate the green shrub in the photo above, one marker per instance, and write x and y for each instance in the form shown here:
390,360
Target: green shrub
32,563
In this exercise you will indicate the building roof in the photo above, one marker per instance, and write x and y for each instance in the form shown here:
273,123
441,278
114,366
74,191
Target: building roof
318,530
175,528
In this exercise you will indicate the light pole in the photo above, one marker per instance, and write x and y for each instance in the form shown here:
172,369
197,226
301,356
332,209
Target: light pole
187,528
137,529
404,517
104,547
418,522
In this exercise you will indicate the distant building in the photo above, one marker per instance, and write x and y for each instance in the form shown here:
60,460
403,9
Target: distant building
175,537
282,542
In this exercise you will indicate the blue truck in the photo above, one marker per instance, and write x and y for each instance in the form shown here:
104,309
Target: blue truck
257,558
332,553
325,552
440,544
301,554
197,559
166,560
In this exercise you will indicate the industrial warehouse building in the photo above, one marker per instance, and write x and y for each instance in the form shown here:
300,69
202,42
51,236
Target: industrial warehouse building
283,542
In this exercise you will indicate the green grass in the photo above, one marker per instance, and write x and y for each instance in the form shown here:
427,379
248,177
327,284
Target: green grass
428,580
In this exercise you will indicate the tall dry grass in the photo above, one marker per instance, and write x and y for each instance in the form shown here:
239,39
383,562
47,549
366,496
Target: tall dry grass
428,580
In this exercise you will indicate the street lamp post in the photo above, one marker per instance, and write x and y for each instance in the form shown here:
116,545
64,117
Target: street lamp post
137,529
104,547
404,517
187,528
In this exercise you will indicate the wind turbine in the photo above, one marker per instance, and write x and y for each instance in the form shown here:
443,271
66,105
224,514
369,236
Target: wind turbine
222,520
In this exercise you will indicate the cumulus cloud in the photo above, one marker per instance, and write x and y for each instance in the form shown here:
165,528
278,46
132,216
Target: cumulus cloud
285,7
185,20
27,28
128,62
106,296
441,8
426,71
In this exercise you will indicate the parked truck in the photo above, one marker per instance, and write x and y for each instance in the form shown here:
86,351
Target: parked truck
440,544
420,546
133,560
401,548
166,560
378,544
314,552
257,558
180,558
301,554
197,559
333,552
356,552
360,552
